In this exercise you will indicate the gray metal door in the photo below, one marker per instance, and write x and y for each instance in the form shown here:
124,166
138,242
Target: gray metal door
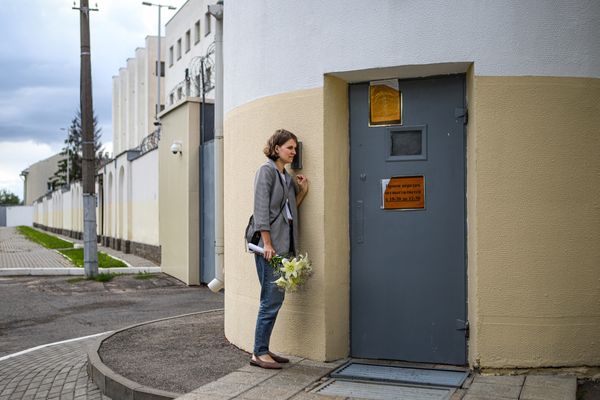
207,194
207,220
408,264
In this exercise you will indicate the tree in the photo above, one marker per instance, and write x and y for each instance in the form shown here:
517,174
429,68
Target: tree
8,198
72,163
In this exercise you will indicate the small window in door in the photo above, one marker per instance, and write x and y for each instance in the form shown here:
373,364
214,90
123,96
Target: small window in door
407,143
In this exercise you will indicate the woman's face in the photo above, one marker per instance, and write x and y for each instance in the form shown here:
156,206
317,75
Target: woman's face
287,151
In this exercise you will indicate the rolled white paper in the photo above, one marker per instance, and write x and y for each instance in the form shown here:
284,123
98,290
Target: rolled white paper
255,248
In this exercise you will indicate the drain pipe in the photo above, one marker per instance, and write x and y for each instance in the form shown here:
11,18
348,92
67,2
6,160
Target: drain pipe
216,10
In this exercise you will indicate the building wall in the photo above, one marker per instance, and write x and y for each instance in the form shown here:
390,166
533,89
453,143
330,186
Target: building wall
37,175
179,192
184,20
535,203
536,37
134,97
149,108
532,170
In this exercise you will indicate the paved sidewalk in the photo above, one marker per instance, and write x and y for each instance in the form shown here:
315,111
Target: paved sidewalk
16,251
54,372
175,343
20,256
297,381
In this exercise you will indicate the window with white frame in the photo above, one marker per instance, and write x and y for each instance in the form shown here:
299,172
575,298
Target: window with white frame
188,40
178,48
171,58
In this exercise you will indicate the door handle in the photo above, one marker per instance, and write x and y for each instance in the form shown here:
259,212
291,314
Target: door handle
359,222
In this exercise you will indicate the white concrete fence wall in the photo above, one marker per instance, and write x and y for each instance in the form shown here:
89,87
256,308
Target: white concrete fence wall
16,215
131,198
61,209
127,211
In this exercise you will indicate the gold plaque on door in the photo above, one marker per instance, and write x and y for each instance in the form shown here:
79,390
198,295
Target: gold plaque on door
385,103
403,193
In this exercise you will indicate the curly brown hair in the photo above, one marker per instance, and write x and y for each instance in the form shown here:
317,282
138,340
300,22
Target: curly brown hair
278,139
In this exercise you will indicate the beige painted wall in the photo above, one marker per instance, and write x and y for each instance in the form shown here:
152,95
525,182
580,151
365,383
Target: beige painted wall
534,229
301,327
36,182
533,187
179,200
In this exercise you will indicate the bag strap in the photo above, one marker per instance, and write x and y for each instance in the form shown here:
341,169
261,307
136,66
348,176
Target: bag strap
284,198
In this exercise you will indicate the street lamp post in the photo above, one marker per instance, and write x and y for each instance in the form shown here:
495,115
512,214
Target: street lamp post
158,64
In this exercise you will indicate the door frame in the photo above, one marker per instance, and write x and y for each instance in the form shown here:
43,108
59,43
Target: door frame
468,76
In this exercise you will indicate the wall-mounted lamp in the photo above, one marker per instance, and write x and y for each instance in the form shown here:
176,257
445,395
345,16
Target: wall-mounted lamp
176,147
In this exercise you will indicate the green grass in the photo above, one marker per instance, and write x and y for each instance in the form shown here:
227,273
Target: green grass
49,241
97,278
104,260
144,275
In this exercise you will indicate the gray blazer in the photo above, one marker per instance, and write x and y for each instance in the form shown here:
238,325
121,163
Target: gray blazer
268,197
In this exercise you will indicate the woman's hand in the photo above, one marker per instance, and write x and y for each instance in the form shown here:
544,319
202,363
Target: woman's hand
267,245
269,252
302,182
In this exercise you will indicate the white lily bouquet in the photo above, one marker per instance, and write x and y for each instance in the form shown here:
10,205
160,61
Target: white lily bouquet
293,273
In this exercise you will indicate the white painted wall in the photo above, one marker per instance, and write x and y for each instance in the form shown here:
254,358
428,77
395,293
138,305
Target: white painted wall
61,209
144,199
134,97
19,215
533,37
131,202
183,20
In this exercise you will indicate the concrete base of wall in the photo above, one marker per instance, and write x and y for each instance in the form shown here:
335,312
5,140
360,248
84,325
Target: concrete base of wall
147,251
72,234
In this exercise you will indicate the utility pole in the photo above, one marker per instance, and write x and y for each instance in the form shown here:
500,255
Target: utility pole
90,244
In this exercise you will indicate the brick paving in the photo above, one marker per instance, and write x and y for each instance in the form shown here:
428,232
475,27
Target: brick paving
54,372
18,252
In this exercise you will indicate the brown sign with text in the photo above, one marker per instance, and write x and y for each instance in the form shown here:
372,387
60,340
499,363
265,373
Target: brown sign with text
404,192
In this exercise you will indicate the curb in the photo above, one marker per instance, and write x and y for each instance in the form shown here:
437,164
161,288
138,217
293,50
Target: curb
116,386
73,271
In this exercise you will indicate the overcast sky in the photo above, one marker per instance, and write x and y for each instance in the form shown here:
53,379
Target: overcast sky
39,72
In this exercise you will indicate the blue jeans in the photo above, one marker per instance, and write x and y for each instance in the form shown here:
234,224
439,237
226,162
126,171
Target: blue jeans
271,299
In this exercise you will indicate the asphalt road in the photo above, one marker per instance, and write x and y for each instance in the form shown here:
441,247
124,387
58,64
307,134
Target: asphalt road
41,310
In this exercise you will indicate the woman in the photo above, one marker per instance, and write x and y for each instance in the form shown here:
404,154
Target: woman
277,196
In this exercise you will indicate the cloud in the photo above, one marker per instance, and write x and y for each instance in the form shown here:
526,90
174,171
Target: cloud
17,156
36,113
39,84
39,60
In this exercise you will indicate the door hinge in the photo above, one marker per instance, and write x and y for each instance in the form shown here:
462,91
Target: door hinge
460,112
462,326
